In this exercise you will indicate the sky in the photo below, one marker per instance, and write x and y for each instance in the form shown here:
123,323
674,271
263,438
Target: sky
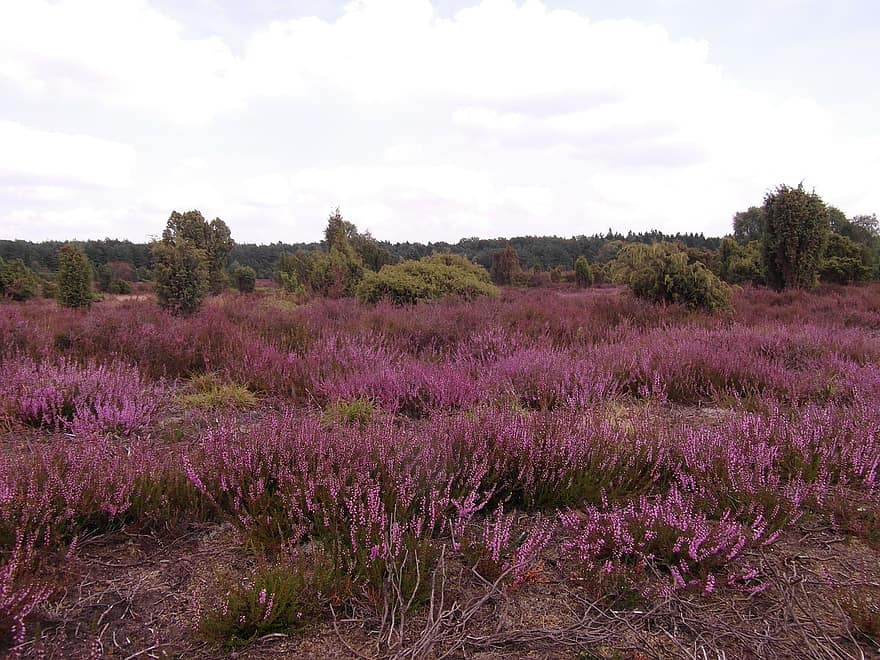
430,121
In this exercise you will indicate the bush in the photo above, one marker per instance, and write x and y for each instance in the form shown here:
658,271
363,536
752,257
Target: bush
661,273
505,266
418,281
181,273
843,261
583,274
795,233
17,281
74,277
245,279
110,282
212,238
741,263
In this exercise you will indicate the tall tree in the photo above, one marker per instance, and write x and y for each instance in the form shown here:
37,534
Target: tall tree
749,225
505,266
74,277
795,233
214,238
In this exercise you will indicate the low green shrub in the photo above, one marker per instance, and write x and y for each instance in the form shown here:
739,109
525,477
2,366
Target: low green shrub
427,279
660,272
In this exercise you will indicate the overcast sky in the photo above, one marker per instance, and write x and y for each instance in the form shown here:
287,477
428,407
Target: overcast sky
430,120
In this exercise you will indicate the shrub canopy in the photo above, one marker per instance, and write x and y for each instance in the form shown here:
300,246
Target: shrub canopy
427,279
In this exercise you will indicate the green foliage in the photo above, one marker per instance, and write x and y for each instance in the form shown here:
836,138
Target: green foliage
210,392
583,274
505,266
843,261
212,238
74,277
17,281
109,282
353,412
181,273
427,279
741,262
460,262
748,225
864,231
334,272
795,233
277,599
661,273
244,278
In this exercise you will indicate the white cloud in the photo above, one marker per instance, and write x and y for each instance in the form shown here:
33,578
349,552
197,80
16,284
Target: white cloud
507,117
29,153
122,52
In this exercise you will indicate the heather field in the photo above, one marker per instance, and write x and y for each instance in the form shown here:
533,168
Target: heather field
551,473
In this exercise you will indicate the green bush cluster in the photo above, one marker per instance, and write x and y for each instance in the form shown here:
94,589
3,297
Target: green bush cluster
843,261
661,273
109,282
741,262
190,260
244,278
505,267
583,274
336,270
74,277
796,228
17,281
429,278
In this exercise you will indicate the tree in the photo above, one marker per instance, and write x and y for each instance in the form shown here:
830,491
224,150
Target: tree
583,274
741,262
17,281
181,263
660,272
245,278
213,238
749,225
843,261
505,266
429,278
74,277
795,233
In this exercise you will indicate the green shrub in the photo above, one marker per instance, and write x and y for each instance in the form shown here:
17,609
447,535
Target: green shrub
427,279
277,599
354,412
74,277
109,282
210,392
661,273
212,238
505,266
17,281
796,228
741,262
583,274
181,272
843,261
244,278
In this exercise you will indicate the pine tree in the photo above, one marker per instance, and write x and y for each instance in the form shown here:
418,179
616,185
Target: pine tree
74,277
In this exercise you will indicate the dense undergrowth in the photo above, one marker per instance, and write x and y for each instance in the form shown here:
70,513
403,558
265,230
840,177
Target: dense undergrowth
353,445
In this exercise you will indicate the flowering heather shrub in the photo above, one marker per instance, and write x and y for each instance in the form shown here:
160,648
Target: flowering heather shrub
277,599
64,396
670,532
501,549
19,594
371,497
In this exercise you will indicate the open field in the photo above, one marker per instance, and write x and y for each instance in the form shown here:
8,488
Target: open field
553,473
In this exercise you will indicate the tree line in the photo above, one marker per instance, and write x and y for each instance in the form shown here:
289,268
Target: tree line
791,241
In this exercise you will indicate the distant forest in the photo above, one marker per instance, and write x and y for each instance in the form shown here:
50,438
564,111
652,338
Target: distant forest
542,252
